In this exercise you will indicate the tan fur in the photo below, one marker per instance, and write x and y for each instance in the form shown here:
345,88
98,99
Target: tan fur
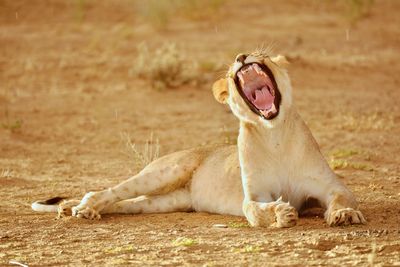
267,177
220,91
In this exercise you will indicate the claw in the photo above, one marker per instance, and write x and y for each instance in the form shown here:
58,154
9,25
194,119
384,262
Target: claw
286,216
346,216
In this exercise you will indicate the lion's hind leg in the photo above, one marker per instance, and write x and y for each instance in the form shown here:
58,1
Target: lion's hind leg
160,177
178,200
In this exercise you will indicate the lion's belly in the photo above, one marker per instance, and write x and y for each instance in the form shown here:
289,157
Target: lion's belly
216,185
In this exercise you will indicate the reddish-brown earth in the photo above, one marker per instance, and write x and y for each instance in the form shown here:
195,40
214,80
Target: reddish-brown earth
68,101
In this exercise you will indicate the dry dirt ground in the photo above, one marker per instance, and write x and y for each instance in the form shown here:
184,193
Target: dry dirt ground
70,102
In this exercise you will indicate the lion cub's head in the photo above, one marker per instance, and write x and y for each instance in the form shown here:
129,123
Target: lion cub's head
256,87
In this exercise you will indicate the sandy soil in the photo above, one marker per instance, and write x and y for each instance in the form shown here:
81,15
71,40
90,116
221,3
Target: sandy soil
69,101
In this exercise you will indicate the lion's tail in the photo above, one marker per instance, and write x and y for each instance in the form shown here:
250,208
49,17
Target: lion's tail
49,205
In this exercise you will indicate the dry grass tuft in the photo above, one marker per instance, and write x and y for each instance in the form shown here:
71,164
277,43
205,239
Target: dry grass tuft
344,153
339,160
238,225
165,67
248,249
183,241
357,9
159,13
6,173
374,121
11,124
337,164
142,156
119,249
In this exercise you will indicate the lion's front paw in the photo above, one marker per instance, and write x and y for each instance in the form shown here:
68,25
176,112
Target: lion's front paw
85,213
258,214
275,214
285,216
345,217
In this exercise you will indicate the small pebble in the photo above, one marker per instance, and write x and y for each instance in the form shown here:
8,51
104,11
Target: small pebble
220,226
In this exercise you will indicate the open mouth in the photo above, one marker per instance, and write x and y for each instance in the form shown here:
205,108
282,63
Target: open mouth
258,88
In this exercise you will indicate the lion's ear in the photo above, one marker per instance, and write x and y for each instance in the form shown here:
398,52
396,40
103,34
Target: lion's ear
280,60
220,90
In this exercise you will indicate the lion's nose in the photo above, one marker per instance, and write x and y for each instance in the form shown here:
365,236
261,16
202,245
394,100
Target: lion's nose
241,58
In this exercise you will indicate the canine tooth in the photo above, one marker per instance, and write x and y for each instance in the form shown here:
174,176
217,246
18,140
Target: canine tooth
240,76
258,69
273,108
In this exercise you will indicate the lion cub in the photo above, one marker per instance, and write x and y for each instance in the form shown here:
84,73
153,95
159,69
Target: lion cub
275,168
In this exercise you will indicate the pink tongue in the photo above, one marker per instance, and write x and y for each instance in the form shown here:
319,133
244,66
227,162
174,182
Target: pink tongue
264,99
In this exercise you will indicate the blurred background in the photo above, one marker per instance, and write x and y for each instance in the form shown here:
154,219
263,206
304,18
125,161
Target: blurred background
84,71
91,91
